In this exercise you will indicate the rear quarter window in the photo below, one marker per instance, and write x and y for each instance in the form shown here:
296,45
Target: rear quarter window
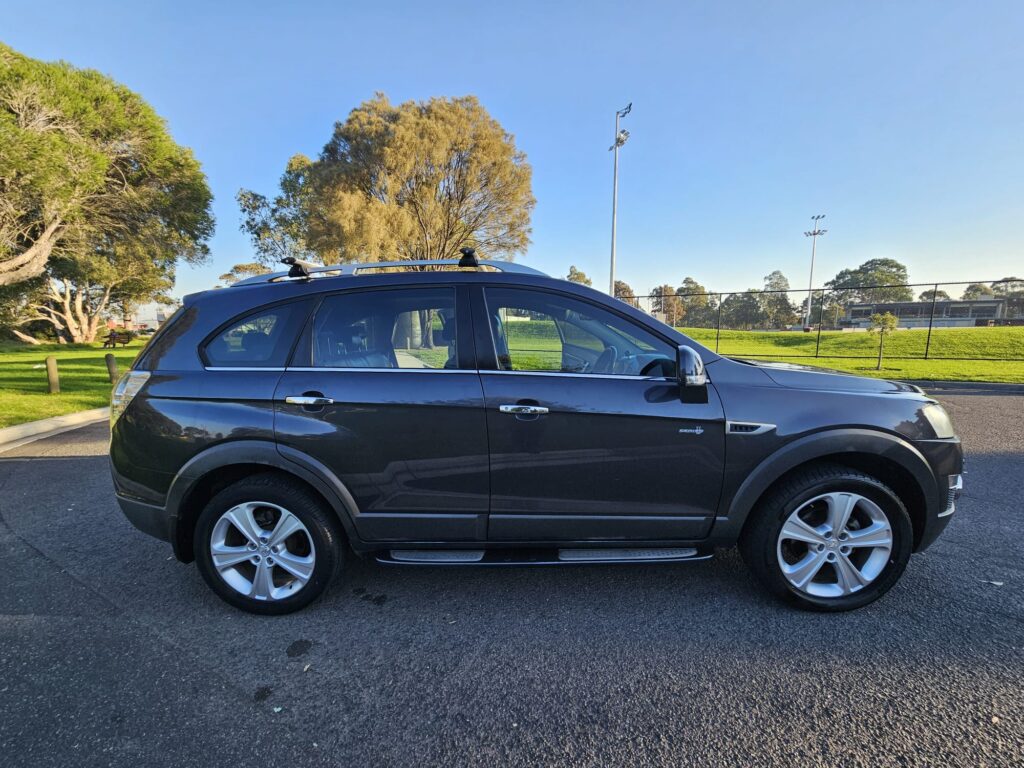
262,339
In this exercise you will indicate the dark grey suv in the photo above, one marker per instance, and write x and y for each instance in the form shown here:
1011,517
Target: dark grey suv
449,413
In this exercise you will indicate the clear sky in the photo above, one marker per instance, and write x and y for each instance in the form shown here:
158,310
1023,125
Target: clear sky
902,121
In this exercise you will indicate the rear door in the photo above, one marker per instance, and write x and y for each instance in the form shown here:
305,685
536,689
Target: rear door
384,392
589,437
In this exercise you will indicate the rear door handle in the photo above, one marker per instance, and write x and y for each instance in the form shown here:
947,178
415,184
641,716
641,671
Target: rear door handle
308,400
523,410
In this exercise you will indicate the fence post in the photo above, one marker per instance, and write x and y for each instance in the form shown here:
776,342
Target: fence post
52,377
931,321
821,312
111,367
718,327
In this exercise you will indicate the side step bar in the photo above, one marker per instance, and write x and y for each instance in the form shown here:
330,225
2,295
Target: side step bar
541,556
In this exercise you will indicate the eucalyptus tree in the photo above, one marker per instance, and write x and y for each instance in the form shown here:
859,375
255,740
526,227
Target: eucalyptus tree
418,180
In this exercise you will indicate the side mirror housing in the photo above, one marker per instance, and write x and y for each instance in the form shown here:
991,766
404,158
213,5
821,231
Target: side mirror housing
690,368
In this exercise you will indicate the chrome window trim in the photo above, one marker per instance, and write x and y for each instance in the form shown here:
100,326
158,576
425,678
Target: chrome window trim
563,374
313,369
241,368
570,374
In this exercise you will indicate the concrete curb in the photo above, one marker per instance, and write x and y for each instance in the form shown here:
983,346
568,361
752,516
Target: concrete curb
974,386
20,434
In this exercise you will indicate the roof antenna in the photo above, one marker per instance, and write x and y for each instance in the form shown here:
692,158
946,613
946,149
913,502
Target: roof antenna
298,268
468,259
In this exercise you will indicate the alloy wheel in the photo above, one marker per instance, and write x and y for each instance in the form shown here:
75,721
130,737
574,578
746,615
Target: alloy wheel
835,544
262,551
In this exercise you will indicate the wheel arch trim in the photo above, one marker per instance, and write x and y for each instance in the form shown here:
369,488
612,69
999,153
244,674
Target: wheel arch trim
733,512
261,452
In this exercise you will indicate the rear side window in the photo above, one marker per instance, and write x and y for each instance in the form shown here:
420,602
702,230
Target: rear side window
403,328
261,340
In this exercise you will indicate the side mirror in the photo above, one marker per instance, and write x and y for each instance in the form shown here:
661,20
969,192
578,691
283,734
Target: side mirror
690,368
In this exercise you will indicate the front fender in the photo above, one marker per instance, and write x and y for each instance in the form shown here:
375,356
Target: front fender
733,511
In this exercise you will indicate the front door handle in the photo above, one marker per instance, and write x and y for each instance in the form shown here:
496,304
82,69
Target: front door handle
523,410
308,400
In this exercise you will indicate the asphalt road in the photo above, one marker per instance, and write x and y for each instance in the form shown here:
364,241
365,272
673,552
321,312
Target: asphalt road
113,653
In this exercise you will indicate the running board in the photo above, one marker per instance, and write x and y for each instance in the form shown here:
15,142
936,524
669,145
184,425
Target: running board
542,556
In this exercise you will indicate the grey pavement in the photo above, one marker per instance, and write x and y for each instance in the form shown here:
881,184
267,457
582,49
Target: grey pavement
113,653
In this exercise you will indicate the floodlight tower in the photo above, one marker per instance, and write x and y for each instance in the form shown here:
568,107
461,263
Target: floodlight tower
620,138
813,234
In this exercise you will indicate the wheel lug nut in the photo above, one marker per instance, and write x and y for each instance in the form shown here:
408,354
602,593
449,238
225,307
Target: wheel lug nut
821,547
270,561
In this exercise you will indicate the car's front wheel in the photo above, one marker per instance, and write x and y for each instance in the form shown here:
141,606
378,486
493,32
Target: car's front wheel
829,538
267,545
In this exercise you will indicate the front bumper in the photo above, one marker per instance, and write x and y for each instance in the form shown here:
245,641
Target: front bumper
936,524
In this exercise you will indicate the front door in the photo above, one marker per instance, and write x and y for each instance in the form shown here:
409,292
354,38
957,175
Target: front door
383,391
589,438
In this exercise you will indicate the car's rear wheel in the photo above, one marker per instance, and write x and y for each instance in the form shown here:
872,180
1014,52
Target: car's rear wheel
267,545
829,538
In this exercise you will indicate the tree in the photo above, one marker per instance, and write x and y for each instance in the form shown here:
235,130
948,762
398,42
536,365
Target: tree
243,271
776,308
882,324
931,294
576,276
665,300
624,292
976,291
84,163
415,181
1008,287
81,288
856,285
698,304
742,311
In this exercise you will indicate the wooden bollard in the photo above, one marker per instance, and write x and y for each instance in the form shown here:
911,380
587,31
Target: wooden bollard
111,367
52,377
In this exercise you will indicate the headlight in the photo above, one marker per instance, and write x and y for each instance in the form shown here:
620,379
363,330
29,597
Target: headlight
127,387
939,419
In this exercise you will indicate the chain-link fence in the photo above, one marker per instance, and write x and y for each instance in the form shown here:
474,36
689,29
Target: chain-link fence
973,320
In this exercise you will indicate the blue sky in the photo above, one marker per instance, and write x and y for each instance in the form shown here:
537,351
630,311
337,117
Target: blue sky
902,121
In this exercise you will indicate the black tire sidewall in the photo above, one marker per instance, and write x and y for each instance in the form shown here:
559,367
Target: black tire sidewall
297,501
887,501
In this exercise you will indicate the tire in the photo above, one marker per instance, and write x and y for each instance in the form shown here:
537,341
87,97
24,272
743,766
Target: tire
308,558
790,534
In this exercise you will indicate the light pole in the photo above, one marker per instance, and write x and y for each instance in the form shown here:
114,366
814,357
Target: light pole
620,139
813,234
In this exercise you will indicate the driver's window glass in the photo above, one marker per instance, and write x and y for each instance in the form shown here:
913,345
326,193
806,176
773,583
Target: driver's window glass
546,332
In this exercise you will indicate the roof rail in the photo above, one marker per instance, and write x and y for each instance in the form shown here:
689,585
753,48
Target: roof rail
350,270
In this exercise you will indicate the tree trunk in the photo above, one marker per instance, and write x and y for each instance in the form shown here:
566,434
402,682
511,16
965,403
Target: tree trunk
32,261
25,337
881,341
427,328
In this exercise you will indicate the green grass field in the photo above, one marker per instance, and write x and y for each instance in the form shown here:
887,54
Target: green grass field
535,345
83,379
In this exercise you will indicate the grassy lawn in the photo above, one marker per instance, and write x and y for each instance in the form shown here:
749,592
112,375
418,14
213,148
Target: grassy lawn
84,384
797,347
535,345
83,379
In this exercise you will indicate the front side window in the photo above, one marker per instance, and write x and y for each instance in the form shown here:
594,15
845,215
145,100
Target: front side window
547,332
403,328
261,340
